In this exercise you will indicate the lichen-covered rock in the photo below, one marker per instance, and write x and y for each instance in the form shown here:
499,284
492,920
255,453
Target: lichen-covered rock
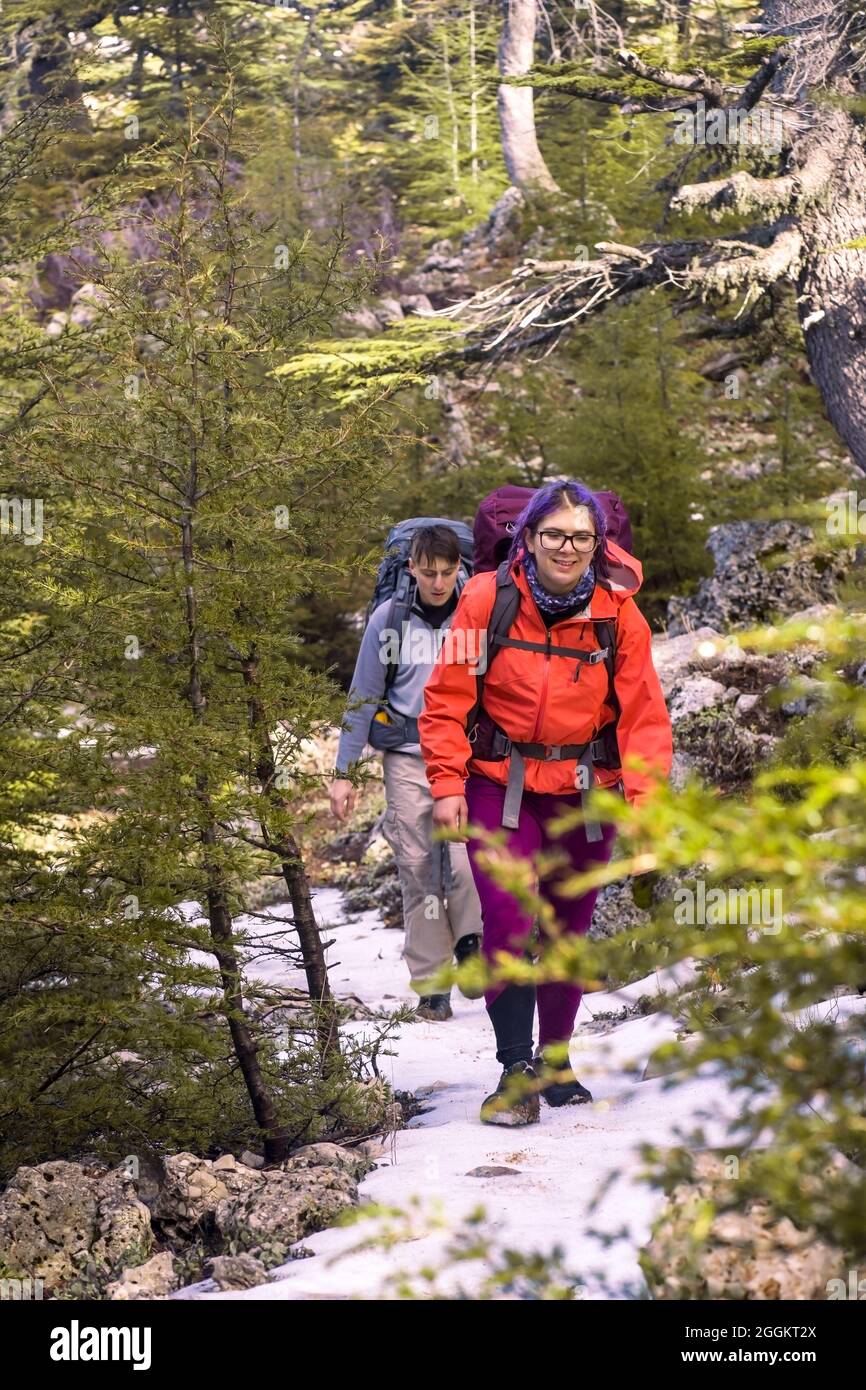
156,1278
71,1226
193,1187
693,694
123,1223
721,748
682,768
284,1207
236,1271
706,1245
329,1156
616,910
762,569
374,887
673,656
806,695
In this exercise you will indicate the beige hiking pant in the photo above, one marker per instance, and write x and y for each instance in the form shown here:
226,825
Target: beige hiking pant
434,921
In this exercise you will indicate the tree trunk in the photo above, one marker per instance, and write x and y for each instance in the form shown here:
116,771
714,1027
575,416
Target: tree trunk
473,97
286,848
832,283
523,159
454,146
275,1136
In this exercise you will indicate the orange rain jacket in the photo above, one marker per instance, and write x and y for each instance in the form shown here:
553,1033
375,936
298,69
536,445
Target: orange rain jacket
538,699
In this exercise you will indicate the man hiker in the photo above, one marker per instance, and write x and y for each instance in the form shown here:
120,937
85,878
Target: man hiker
441,910
569,695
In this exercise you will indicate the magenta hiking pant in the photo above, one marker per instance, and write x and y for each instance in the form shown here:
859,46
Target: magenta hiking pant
506,925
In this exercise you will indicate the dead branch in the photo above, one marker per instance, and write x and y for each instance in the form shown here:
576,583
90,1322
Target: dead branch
541,300
698,82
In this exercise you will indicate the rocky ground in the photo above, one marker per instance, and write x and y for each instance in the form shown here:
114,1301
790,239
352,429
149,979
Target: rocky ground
87,1231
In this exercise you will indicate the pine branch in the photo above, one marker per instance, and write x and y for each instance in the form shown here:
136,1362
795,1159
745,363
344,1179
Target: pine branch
698,81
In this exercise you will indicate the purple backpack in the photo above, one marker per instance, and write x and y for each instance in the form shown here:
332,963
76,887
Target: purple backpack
496,515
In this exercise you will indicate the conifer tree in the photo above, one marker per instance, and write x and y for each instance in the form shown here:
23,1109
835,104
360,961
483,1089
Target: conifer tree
190,497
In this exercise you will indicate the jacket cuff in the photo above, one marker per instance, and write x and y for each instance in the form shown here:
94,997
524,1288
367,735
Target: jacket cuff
447,786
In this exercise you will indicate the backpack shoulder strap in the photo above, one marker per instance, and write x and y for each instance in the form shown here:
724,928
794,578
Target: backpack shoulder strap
605,631
398,612
506,602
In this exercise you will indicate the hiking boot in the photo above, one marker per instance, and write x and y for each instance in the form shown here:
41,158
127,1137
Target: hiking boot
435,1007
558,1083
468,948
515,1100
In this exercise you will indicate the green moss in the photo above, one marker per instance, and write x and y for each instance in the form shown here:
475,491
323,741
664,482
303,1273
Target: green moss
574,79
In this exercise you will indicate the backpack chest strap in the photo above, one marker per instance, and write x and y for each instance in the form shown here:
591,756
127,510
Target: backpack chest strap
551,649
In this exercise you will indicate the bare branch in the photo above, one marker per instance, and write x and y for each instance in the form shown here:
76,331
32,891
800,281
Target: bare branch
760,80
698,81
755,272
628,253
542,299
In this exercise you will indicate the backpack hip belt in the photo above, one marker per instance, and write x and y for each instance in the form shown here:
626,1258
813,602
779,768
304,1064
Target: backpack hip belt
595,750
392,731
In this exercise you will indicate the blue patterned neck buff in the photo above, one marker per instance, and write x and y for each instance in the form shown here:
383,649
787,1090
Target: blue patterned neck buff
555,603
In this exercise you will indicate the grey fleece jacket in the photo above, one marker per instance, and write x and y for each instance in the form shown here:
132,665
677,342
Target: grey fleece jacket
418,648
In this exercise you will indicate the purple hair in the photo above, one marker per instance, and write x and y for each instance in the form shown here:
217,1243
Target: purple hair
549,499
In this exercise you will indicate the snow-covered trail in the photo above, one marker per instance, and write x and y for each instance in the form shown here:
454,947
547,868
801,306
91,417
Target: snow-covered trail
562,1162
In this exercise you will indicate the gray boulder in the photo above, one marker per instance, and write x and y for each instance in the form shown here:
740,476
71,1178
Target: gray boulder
750,1250
193,1188
615,911
351,1161
674,656
236,1271
693,694
71,1226
156,1278
762,569
288,1204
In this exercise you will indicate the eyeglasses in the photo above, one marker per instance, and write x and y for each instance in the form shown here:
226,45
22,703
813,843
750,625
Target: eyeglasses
583,541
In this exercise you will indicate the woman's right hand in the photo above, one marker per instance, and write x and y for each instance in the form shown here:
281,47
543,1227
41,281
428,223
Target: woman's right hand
450,813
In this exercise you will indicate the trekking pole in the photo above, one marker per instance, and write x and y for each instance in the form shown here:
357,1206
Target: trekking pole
447,869
443,874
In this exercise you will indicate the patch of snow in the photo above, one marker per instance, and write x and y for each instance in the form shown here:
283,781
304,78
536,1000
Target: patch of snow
563,1162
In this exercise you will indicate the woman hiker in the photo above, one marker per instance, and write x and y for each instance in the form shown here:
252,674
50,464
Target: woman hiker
535,746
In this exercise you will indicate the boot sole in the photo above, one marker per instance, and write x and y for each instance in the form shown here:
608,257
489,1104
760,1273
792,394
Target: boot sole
512,1119
508,1120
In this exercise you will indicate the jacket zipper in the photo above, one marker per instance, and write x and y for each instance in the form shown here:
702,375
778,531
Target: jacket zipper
577,663
544,684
